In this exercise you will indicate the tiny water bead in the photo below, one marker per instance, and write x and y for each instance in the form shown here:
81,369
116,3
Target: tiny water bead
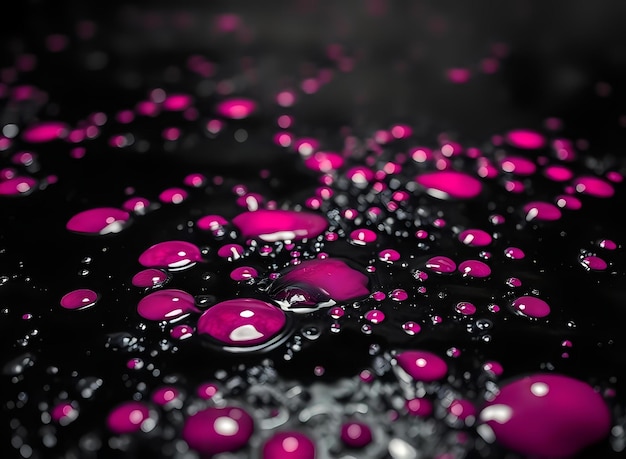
531,306
422,365
280,225
318,283
450,184
130,417
181,332
100,220
288,445
82,298
217,430
546,415
242,322
174,255
168,304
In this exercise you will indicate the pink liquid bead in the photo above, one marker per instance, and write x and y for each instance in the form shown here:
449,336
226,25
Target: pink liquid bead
45,131
242,322
474,268
280,225
546,416
422,365
475,237
441,265
79,299
100,220
356,434
593,263
525,139
362,236
593,186
218,430
289,445
168,304
450,184
531,306
421,407
543,211
236,109
128,417
149,278
170,254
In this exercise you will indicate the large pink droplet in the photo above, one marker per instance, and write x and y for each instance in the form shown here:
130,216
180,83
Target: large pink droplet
593,186
171,254
17,186
450,184
168,304
543,211
319,282
45,131
128,417
242,322
81,298
475,237
422,365
546,416
218,430
526,139
236,109
280,225
531,306
101,220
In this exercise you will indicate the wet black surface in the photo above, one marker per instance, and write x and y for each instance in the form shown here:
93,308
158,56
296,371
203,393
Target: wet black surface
564,61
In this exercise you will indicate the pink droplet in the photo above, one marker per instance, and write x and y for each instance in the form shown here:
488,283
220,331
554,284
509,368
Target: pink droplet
531,306
542,211
593,263
475,237
81,298
411,328
65,413
288,445
128,417
525,139
362,236
420,407
547,415
168,304
100,220
356,434
236,109
218,430
465,308
593,186
518,165
450,184
474,268
173,196
280,225
375,316
17,186
324,161
45,131
422,365
149,278
173,255
441,265
514,253
242,322
243,273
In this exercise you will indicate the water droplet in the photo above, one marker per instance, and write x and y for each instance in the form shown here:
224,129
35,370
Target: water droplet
422,365
174,255
280,225
79,299
128,417
474,268
475,237
450,184
441,265
218,430
150,278
289,445
356,434
101,220
168,304
530,306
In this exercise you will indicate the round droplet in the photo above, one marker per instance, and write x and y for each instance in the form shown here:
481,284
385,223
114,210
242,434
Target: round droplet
375,316
593,263
168,304
65,413
289,445
17,186
173,255
242,322
236,109
356,434
422,365
149,278
181,332
525,139
218,430
475,237
243,273
411,328
543,211
514,253
465,308
101,220
81,298
128,417
362,236
421,407
546,415
441,265
531,306
474,268
280,225
593,186
450,184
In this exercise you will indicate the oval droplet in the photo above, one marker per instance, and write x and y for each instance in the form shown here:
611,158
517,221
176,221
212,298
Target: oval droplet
280,225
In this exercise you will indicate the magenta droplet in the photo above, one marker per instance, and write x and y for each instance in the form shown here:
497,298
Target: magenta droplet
218,430
462,410
411,328
289,445
465,308
441,265
558,173
389,255
195,180
242,322
422,365
46,131
362,236
531,306
230,251
128,417
101,220
173,196
593,263
212,223
398,294
168,304
474,268
173,255
593,186
475,238
566,201
17,186
207,391
81,298
324,161
607,244
420,407
543,211
65,413
526,139
546,415
450,184
518,165
319,281
513,282
236,109
356,434
514,253
375,316
181,332
280,225
493,368
243,273
137,205
149,278
167,395
177,102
